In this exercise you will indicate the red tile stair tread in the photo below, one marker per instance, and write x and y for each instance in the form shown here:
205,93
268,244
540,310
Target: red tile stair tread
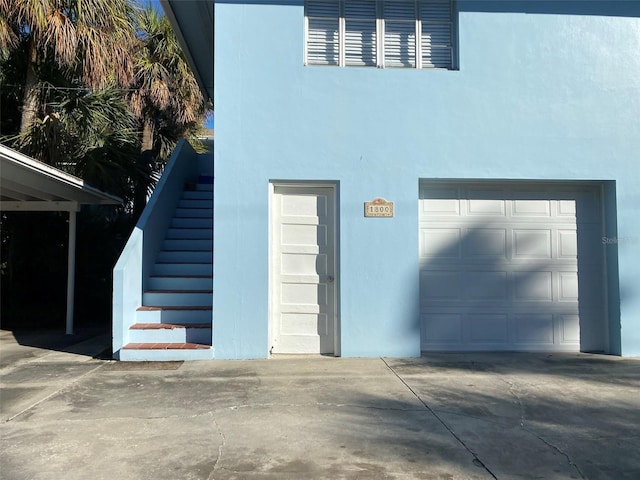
167,326
154,308
178,291
181,276
165,346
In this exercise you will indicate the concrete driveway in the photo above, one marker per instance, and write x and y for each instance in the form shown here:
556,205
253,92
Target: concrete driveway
67,414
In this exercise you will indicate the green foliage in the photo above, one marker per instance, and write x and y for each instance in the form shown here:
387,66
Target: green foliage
99,71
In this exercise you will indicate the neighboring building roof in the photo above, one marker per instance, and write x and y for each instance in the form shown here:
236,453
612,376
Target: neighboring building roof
192,21
29,185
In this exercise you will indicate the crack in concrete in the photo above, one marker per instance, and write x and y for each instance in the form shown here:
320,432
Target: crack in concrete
512,390
557,449
476,459
220,447
65,386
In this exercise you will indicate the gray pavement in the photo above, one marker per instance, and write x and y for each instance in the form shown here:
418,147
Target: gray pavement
67,413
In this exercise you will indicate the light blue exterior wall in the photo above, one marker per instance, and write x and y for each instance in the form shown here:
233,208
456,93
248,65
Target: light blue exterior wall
542,92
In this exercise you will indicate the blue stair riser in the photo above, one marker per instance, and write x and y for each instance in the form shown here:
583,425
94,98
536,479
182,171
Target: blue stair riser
182,269
173,316
177,299
201,222
204,187
195,203
186,257
173,335
164,355
187,244
190,232
197,195
180,283
194,212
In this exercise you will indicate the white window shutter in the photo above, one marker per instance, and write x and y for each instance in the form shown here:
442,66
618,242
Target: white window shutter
435,37
322,32
360,32
385,33
399,33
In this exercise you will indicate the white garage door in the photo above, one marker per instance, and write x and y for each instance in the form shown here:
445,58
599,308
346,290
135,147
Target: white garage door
506,267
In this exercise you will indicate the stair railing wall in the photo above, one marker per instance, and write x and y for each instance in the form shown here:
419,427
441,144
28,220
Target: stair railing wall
137,258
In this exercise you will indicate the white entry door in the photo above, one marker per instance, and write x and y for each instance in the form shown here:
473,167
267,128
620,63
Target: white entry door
303,316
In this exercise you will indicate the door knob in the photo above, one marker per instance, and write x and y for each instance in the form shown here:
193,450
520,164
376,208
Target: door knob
330,279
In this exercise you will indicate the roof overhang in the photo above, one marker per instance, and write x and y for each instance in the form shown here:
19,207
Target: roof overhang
192,21
29,185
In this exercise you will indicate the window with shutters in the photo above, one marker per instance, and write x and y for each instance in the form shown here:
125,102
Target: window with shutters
380,33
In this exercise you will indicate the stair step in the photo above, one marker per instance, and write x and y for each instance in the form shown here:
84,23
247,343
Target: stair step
175,314
170,333
190,233
186,269
185,256
196,203
150,308
183,244
194,213
167,326
199,222
179,282
177,298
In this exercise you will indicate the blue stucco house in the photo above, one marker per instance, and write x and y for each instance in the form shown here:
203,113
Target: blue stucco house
396,177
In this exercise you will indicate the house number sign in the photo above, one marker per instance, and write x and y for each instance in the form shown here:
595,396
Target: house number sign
378,207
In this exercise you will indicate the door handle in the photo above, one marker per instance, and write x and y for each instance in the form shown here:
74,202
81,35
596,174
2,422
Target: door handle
330,279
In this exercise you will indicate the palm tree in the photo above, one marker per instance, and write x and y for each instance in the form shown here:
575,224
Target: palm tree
91,39
165,96
92,135
163,81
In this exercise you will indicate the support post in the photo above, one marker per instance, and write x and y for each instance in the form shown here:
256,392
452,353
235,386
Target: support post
71,271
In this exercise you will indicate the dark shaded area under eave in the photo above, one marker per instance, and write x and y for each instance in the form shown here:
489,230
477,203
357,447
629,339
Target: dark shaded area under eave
612,8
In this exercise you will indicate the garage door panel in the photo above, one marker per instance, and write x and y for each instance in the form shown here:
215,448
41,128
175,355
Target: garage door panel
532,328
568,287
569,329
488,328
566,208
531,243
440,242
440,285
531,208
442,328
488,207
567,244
485,242
441,201
532,287
511,268
485,286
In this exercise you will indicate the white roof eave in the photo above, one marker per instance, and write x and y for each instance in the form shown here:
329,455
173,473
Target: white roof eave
29,185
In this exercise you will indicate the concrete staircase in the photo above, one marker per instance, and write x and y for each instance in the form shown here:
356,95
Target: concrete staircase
174,320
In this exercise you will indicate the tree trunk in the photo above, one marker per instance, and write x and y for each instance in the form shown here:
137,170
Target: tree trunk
147,136
31,97
146,158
